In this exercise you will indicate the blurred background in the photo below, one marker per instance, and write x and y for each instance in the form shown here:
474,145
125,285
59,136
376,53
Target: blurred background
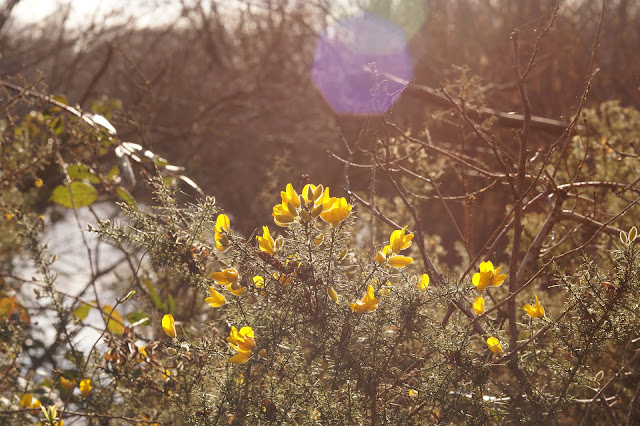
250,95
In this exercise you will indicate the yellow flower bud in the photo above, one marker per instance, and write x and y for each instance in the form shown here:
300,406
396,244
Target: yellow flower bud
332,294
168,325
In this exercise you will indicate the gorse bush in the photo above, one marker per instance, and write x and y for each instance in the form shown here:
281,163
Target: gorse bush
298,323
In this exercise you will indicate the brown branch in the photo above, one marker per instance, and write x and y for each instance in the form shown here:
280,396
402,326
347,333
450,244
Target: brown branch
489,141
437,276
576,217
634,403
504,119
601,390
517,215
97,76
532,59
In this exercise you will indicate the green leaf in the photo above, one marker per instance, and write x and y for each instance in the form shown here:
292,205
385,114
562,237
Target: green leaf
80,172
56,125
171,304
126,196
115,323
115,171
82,312
83,195
155,299
159,161
60,98
138,319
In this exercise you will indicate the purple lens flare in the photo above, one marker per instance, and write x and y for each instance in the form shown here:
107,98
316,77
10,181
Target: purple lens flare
351,60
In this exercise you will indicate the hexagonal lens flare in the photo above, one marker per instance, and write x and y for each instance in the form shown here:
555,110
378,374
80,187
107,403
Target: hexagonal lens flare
351,59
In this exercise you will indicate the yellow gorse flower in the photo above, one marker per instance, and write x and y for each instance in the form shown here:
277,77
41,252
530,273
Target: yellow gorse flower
290,196
478,305
494,345
142,354
168,325
226,276
315,194
236,289
399,240
534,311
487,276
287,212
242,342
221,231
85,386
267,243
26,400
258,281
166,375
229,277
216,299
423,282
368,303
338,213
66,383
332,294
389,256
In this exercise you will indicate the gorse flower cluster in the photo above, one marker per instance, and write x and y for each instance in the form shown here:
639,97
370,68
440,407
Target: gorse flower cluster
269,294
389,256
312,202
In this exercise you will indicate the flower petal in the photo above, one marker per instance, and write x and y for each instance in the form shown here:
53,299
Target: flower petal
400,261
222,222
240,357
216,300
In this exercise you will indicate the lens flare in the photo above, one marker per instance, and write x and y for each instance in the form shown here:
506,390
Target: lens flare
351,60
